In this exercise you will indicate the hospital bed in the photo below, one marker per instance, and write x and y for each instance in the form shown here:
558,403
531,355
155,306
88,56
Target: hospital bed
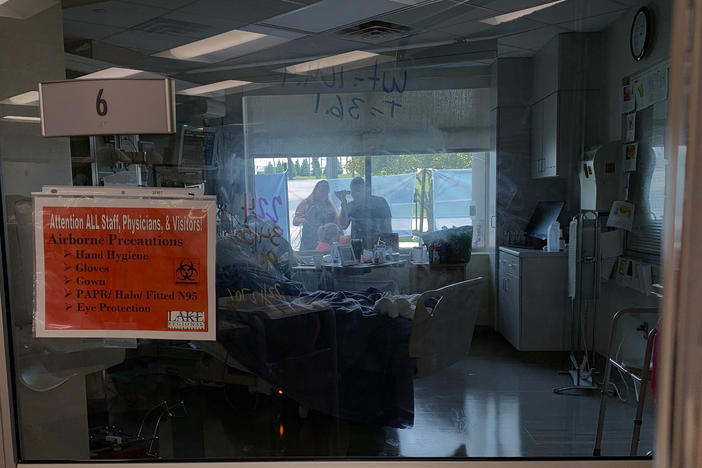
330,350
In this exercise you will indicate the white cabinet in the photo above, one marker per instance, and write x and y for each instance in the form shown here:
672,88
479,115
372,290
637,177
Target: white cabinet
537,133
556,123
533,303
508,298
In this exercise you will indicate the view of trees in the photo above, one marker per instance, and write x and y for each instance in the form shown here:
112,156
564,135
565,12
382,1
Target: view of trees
304,168
407,163
382,165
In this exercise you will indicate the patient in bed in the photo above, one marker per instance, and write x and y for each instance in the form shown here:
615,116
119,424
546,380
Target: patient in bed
329,350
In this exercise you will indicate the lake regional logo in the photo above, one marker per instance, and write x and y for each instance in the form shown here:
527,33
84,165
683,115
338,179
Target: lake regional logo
186,320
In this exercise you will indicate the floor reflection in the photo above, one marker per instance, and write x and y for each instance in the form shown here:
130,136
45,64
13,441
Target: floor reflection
496,403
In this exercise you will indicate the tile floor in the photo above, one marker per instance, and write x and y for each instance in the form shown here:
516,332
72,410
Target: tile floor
496,403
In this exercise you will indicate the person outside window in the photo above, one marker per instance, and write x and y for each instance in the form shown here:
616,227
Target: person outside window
369,216
313,212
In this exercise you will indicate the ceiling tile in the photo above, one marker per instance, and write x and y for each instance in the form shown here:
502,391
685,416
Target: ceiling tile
81,30
150,42
504,51
330,14
499,7
166,4
532,40
575,10
421,38
239,12
433,13
211,25
463,28
628,3
468,22
594,23
306,48
113,13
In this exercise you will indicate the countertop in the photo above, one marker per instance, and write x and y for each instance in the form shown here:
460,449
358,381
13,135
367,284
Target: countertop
532,252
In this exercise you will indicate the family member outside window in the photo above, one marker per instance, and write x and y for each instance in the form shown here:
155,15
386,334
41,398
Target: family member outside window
314,212
369,216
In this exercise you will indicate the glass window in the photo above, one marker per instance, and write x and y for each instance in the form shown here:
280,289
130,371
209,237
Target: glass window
411,228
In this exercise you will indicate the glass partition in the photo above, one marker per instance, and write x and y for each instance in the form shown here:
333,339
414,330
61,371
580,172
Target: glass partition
411,229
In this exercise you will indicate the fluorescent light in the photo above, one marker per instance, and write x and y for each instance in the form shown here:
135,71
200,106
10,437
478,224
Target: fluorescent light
495,20
231,44
21,118
28,98
112,72
356,58
212,44
214,87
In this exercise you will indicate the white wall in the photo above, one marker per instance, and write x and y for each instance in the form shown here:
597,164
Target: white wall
617,64
31,51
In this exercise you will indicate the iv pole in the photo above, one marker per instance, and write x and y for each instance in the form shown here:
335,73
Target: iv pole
585,261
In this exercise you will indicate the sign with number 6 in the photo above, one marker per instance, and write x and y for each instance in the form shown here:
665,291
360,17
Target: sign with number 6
124,106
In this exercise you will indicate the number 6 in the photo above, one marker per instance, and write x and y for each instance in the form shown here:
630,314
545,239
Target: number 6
100,104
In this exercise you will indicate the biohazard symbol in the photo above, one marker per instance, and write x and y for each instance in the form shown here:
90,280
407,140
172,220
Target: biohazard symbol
187,272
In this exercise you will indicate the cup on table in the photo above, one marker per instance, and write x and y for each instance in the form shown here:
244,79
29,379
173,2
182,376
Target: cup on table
317,262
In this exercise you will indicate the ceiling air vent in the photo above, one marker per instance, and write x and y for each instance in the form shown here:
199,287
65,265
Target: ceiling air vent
375,32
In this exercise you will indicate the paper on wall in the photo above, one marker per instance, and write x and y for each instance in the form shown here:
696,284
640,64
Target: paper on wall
628,99
621,215
630,153
641,94
631,126
657,85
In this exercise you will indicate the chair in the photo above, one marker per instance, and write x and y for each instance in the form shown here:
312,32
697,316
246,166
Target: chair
633,332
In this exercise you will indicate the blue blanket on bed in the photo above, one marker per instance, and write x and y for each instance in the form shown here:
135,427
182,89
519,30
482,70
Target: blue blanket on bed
327,350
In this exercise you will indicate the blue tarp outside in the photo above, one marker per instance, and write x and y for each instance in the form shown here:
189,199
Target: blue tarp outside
452,195
272,199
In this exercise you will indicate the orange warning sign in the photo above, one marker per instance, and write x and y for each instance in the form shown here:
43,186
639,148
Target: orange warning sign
125,268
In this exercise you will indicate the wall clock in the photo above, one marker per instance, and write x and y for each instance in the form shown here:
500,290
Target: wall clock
640,34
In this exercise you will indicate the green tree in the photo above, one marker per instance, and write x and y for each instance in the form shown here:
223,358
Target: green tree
406,163
316,168
356,166
305,168
290,168
269,169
